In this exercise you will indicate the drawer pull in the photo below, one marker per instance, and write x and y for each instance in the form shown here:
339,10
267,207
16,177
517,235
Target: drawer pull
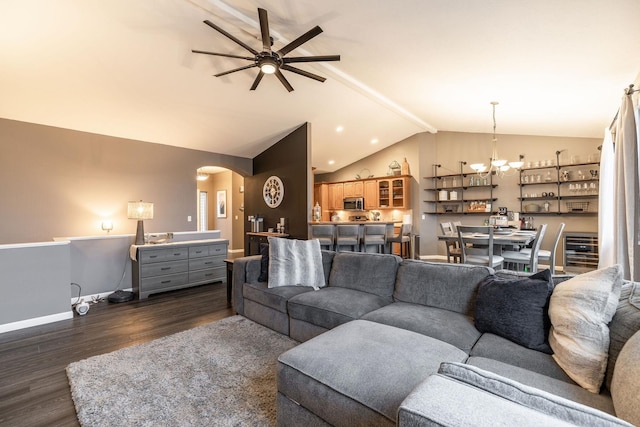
165,268
177,254
153,256
164,282
208,275
199,252
208,262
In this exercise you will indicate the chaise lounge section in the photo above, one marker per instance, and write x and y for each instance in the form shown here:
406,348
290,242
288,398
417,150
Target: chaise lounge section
388,341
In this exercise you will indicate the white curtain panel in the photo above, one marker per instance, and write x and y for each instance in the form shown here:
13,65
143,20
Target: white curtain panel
606,207
626,188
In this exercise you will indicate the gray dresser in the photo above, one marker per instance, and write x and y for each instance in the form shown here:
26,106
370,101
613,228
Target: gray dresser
170,266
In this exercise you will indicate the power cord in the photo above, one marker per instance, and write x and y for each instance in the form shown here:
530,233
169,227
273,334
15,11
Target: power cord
79,293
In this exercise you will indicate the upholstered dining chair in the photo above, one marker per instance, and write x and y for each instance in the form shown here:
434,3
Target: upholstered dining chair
527,259
348,235
324,234
403,238
545,255
476,254
374,235
453,251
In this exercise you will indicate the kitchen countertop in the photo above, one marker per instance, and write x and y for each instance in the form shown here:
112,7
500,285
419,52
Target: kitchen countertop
267,234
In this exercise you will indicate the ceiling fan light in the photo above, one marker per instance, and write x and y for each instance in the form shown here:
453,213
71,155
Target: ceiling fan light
268,68
504,168
498,163
516,165
478,167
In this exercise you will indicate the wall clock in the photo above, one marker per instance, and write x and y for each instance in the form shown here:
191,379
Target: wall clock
273,191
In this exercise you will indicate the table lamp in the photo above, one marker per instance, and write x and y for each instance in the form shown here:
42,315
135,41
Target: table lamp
140,211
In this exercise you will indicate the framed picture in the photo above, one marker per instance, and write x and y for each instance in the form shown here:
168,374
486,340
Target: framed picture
221,204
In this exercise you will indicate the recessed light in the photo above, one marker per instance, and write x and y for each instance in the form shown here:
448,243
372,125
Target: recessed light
331,162
374,141
339,129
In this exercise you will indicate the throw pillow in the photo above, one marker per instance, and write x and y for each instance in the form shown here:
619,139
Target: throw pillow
264,263
625,386
516,309
580,309
295,263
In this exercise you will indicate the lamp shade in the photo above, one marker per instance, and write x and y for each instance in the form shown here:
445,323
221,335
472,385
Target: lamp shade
140,210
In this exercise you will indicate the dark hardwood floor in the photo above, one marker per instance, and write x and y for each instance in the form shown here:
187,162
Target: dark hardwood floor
33,383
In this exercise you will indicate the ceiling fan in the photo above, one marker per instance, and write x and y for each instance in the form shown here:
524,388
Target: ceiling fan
268,61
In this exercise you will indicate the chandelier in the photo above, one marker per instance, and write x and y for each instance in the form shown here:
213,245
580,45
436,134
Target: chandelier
497,165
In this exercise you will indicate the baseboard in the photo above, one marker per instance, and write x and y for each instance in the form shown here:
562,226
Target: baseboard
235,251
36,321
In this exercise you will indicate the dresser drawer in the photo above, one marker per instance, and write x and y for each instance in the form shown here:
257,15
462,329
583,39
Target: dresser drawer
160,255
198,251
163,268
152,284
206,262
218,249
208,275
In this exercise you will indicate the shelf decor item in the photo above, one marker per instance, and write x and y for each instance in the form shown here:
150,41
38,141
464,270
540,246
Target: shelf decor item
577,206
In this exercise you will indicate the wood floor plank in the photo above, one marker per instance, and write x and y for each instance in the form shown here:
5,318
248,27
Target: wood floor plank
34,390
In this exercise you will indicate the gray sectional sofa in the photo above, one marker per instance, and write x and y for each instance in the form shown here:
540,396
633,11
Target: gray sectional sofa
393,342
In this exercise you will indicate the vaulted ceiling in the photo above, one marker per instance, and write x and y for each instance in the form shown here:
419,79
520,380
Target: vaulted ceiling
125,68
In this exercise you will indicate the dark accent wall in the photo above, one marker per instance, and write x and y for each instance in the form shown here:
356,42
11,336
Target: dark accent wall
287,159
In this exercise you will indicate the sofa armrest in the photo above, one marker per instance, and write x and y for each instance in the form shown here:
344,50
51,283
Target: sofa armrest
243,271
463,395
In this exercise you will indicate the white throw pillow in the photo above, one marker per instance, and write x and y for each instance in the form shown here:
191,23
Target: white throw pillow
295,263
580,310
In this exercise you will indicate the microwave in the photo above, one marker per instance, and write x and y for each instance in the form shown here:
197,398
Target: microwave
353,203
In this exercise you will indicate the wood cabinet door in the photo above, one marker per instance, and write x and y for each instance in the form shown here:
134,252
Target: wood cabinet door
371,194
349,189
336,196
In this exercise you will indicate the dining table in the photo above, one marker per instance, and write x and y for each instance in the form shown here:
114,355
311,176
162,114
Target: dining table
501,238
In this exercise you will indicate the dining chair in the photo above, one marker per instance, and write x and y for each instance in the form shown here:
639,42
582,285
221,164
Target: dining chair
453,251
476,254
374,235
545,255
403,238
348,235
324,234
527,259
455,225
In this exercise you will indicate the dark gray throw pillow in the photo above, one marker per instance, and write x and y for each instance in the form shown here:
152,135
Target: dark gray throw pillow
516,309
264,263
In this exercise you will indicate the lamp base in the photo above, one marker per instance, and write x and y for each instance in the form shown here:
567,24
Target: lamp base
140,233
120,296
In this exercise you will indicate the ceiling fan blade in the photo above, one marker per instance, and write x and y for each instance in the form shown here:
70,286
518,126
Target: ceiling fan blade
283,80
256,82
264,29
248,58
303,73
234,70
223,32
311,58
300,40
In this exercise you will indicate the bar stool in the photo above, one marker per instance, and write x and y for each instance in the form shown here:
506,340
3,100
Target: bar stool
403,238
348,235
375,235
324,234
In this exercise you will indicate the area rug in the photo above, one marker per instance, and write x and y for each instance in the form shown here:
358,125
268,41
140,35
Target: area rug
222,374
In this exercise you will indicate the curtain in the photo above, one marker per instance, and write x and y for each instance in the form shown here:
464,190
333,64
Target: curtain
626,185
605,203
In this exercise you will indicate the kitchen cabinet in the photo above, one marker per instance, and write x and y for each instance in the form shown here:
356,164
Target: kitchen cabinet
371,194
393,193
336,196
353,189
321,194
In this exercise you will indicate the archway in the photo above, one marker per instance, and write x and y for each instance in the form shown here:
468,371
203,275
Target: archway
220,198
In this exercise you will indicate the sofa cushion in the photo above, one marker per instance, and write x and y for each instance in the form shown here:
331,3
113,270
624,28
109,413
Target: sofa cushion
625,385
564,389
360,372
448,326
275,298
333,306
448,286
516,309
295,263
580,309
530,397
372,273
625,323
494,347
